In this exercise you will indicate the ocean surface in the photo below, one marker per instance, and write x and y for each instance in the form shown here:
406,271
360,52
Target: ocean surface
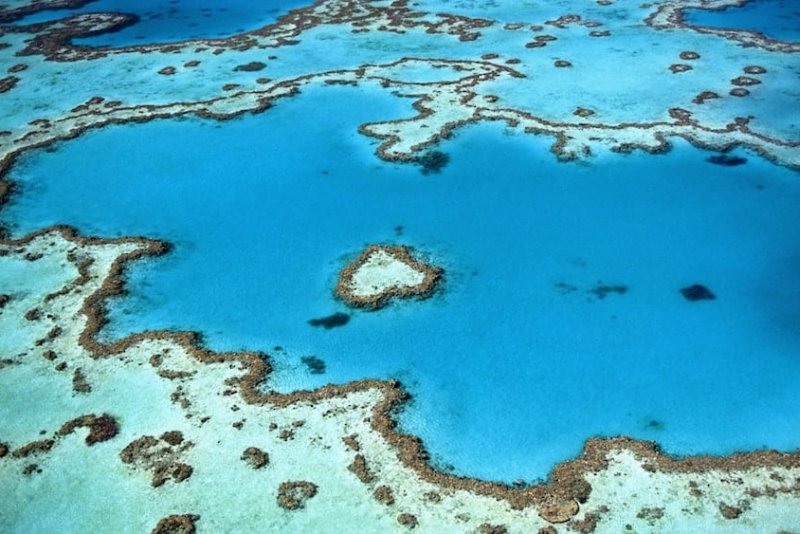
176,20
560,317
777,19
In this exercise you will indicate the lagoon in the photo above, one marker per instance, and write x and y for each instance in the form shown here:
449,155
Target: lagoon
561,315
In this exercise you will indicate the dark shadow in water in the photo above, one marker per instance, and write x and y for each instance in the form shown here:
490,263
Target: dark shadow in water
601,291
331,321
726,161
433,162
654,424
697,292
315,365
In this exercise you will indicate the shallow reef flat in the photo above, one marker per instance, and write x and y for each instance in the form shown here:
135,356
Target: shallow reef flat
155,432
563,74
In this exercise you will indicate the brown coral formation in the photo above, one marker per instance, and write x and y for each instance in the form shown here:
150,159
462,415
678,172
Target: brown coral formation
176,524
101,428
562,63
255,457
704,96
745,81
173,437
344,290
8,83
689,55
729,512
754,69
360,468
407,520
163,461
79,382
679,67
167,71
352,442
583,112
739,91
559,512
34,447
253,66
589,522
384,494
651,515
293,494
487,528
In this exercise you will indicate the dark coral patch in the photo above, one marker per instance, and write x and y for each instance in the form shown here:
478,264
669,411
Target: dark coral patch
745,81
331,321
101,428
705,95
8,83
601,291
176,524
728,511
408,520
293,495
433,162
384,494
697,292
754,69
726,161
163,462
316,366
680,67
255,457
253,66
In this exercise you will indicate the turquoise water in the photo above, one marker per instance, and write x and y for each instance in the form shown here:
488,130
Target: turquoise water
518,359
778,19
177,20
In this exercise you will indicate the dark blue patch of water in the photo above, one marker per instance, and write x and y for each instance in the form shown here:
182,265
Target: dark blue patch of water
177,20
777,19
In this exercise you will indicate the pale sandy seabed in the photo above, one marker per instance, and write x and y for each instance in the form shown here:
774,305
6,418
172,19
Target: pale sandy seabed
53,371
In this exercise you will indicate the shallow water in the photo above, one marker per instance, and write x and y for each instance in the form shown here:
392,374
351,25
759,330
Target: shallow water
520,357
177,20
777,19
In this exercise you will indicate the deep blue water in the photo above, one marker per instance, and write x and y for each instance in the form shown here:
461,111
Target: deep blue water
518,359
778,19
176,20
